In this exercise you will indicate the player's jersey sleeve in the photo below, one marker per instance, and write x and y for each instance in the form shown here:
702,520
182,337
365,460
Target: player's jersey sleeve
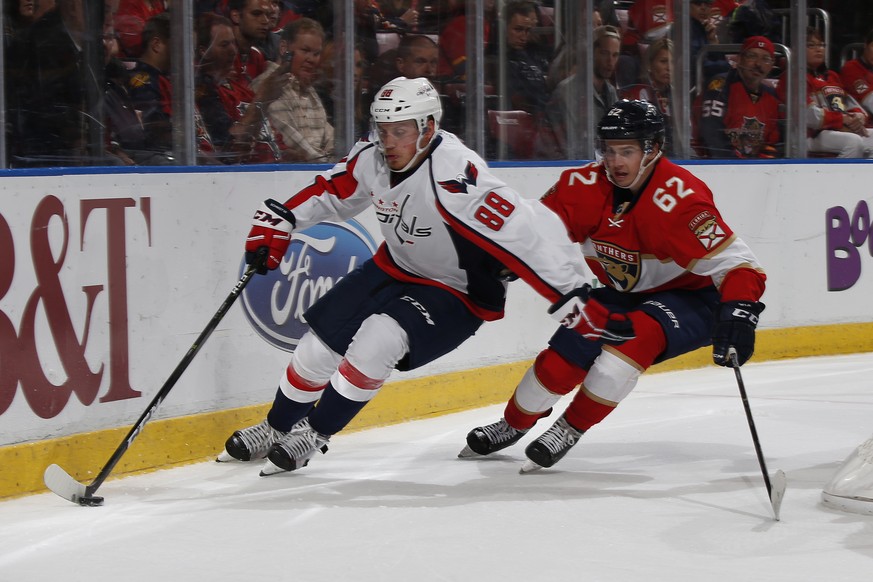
339,193
580,198
699,239
522,234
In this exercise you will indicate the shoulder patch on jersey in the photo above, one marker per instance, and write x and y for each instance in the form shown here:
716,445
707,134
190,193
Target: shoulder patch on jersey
469,177
861,86
716,84
140,79
707,230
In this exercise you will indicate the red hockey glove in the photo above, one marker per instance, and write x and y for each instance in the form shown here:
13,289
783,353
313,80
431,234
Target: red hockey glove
592,319
271,231
735,323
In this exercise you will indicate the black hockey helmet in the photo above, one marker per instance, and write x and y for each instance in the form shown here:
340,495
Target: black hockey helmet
632,119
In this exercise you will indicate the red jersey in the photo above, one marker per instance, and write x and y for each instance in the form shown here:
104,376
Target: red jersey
129,21
826,101
223,104
453,47
721,10
735,123
648,93
857,78
248,67
670,237
648,20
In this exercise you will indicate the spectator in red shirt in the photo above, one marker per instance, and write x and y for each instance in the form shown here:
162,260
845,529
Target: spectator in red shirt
739,113
251,25
647,21
130,20
857,75
232,113
836,123
453,43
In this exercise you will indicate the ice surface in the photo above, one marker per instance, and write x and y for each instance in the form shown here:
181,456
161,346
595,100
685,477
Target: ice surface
668,488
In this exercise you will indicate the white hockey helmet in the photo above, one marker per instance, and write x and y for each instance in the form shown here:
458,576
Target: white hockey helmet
403,99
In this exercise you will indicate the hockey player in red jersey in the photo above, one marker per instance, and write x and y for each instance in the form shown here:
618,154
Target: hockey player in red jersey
452,231
650,231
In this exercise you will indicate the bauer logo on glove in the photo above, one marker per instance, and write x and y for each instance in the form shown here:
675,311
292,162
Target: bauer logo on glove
590,318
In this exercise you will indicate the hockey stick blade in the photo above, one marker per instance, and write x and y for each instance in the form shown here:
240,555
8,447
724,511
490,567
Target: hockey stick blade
61,483
777,492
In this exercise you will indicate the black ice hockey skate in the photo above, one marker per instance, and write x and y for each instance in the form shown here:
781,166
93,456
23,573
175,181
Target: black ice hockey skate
484,440
551,446
295,449
250,444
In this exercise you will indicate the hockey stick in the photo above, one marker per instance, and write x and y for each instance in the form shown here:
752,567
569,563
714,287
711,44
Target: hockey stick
776,487
60,482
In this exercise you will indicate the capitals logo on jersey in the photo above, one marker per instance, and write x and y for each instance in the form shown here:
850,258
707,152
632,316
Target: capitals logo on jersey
621,266
469,177
707,230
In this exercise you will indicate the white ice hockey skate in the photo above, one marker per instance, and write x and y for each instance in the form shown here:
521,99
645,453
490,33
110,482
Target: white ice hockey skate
851,488
484,440
295,449
250,444
551,446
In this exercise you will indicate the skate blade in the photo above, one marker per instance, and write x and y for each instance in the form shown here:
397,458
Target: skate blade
529,467
468,453
270,468
224,457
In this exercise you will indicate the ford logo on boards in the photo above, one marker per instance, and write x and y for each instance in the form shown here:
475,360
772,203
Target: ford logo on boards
316,261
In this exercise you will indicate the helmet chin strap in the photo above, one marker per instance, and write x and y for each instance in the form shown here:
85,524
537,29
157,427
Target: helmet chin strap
640,172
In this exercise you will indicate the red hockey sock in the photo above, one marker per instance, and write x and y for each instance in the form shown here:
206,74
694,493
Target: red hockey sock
584,412
522,420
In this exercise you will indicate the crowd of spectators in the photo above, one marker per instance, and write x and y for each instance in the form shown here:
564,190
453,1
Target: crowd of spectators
265,90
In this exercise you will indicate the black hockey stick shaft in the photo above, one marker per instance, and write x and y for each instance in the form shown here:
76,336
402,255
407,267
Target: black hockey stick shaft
174,377
732,353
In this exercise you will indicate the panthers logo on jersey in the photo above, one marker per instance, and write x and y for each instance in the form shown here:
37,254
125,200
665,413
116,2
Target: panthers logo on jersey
621,266
748,138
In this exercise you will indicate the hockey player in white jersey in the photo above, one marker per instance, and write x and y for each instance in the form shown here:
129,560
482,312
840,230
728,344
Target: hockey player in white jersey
452,231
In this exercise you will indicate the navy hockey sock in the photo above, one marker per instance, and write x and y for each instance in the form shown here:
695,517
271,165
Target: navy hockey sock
333,412
285,412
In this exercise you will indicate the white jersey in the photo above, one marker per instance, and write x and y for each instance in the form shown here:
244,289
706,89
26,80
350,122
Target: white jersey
449,222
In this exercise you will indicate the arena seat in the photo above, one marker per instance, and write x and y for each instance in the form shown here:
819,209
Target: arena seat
515,129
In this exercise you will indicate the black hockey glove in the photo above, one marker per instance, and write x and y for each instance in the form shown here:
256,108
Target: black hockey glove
735,323
591,319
